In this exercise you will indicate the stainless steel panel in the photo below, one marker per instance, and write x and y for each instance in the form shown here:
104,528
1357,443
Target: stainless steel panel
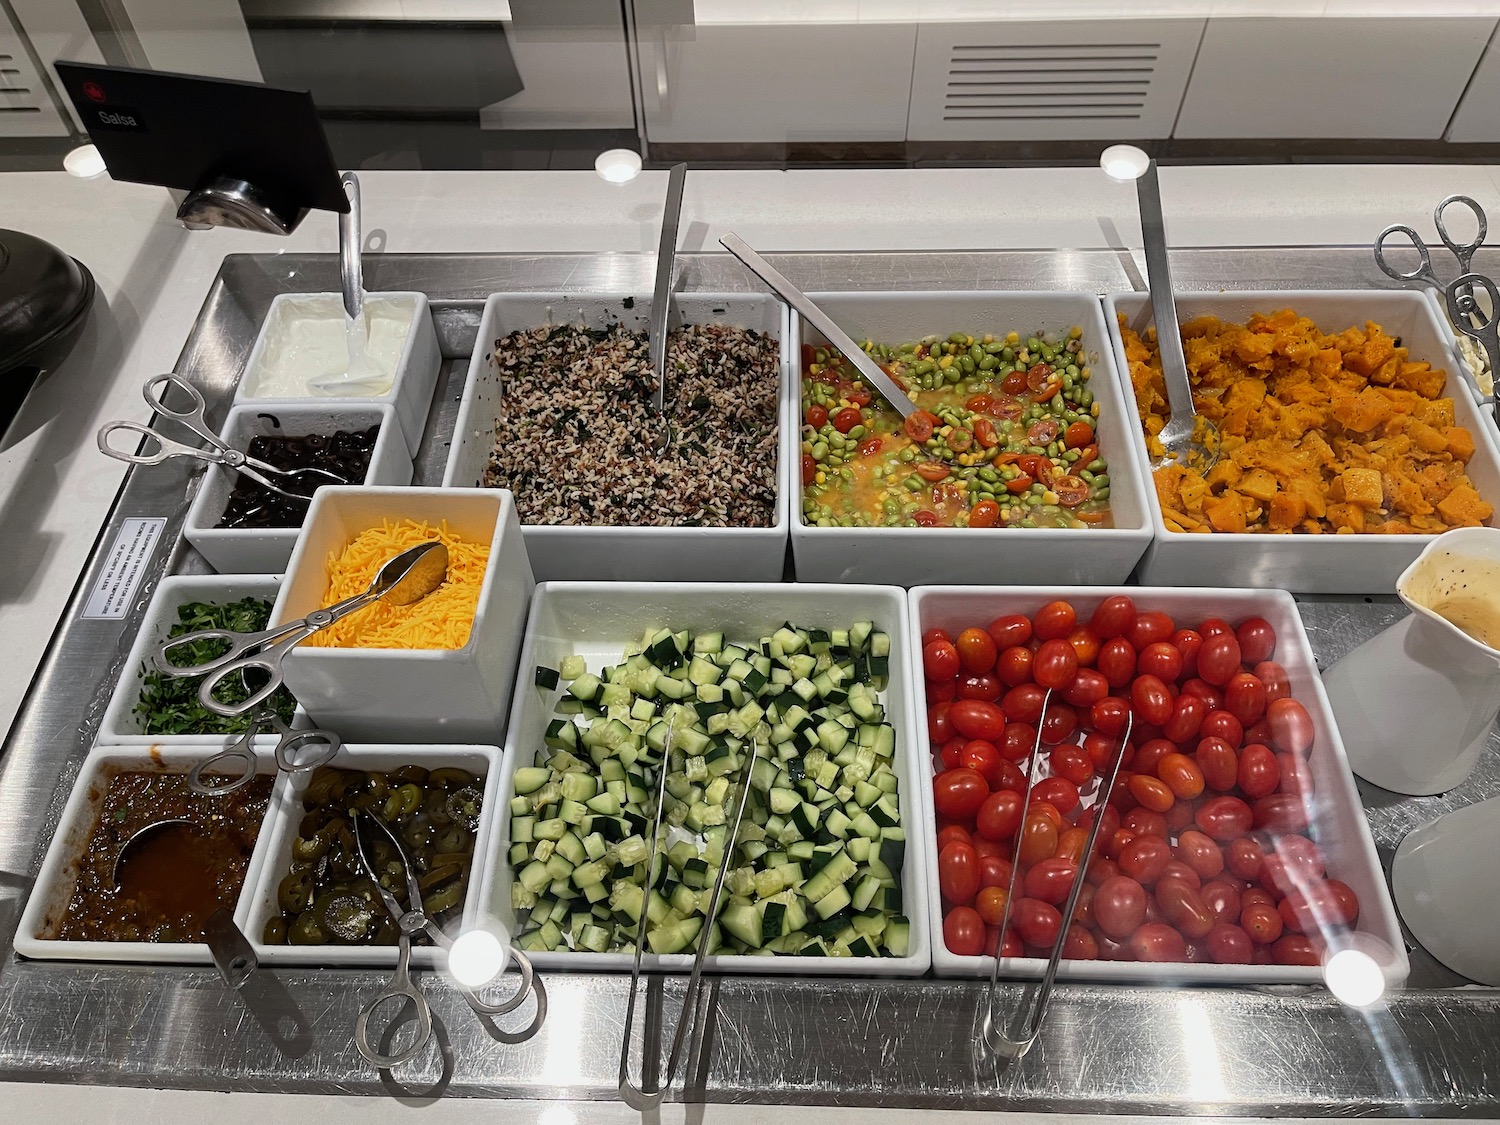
1431,1049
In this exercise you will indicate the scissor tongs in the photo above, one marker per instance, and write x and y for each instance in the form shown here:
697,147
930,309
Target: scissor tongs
219,452
633,1095
1014,1038
412,920
237,761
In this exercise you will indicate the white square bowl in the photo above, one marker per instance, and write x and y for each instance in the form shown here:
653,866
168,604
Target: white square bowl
416,372
266,550
259,906
1338,818
410,695
1314,564
120,718
1003,555
597,621
610,552
56,879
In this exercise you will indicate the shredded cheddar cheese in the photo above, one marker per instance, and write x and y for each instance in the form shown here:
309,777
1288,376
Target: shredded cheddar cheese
443,619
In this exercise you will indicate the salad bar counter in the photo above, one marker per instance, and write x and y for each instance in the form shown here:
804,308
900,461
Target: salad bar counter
851,937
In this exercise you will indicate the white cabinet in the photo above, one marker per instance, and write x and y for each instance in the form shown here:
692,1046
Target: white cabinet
1390,79
746,83
1478,116
1022,80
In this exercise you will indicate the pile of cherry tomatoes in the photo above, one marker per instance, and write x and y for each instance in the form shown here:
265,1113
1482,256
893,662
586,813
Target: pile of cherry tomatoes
1203,854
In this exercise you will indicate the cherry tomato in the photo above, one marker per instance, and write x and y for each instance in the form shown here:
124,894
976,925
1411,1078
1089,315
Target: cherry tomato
940,660
1038,376
959,440
1280,813
1188,642
1058,792
1262,922
1000,815
1150,753
1043,431
1038,838
847,418
963,930
1009,776
920,424
1230,945
1182,776
1013,629
1071,491
1113,617
872,445
1145,822
1050,880
1088,687
976,651
977,718
1251,895
994,870
1014,665
1223,818
1219,658
982,757
1259,774
1151,792
1221,724
985,433
817,416
1200,853
1055,664
1217,763
1180,816
925,518
1222,900
1070,842
1037,922
1073,763
1048,810
1183,908
984,687
1144,858
935,635
1157,941
1303,855
1014,383
1116,661
986,513
1274,676
1080,945
859,395
940,691
1019,740
1244,858
809,469
1162,660
1187,716
953,834
1023,703
989,849
1345,901
952,753
1212,697
1085,645
1150,700
958,873
1257,639
1245,698
1059,724
958,793
1150,627
1054,621
1291,726
1108,717
990,902
939,729
932,472
1215,627
1297,949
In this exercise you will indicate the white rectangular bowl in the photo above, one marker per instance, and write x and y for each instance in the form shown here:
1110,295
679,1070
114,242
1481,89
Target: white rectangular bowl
611,552
1338,817
55,881
416,371
454,696
1001,555
1313,564
597,620
266,550
259,906
120,719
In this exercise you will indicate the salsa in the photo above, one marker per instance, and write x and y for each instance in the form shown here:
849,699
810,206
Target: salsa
1005,437
171,880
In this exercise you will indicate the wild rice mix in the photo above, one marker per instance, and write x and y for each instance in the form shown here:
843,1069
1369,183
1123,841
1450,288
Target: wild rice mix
577,432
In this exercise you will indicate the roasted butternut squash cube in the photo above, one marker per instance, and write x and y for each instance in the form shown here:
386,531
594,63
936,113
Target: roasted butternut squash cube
1463,507
1460,443
1286,511
1226,513
1257,483
1425,380
1362,487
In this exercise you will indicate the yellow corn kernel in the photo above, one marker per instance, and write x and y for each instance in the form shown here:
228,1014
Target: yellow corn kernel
1049,497
1012,337
946,362
822,477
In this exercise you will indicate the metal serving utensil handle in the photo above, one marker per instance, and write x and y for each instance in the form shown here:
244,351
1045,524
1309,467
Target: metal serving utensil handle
778,284
1476,322
666,271
1163,302
351,268
241,752
400,987
1463,251
166,448
1422,273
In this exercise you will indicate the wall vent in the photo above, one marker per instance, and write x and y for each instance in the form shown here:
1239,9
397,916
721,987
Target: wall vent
26,109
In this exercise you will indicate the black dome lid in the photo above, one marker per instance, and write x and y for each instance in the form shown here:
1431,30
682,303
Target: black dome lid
43,293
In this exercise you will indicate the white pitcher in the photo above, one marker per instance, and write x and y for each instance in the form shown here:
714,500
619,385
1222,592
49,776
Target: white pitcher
1447,886
1415,704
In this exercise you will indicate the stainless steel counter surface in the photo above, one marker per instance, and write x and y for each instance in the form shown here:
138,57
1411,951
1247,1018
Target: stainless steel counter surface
1430,1049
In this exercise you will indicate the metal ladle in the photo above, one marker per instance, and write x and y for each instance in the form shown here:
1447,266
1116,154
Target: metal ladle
140,836
661,300
362,375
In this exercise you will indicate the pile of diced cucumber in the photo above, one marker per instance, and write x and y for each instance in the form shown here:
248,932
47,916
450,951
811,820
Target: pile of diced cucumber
817,867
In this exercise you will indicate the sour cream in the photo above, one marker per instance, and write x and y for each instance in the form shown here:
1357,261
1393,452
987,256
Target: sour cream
307,340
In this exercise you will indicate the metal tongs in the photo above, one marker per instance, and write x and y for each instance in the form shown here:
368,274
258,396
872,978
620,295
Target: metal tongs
325,745
412,920
407,578
633,1095
219,452
1013,1038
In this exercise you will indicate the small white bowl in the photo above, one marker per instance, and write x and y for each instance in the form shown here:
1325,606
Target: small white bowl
120,718
416,371
266,550
607,552
597,621
259,905
1002,555
1338,817
410,695
56,880
1314,564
